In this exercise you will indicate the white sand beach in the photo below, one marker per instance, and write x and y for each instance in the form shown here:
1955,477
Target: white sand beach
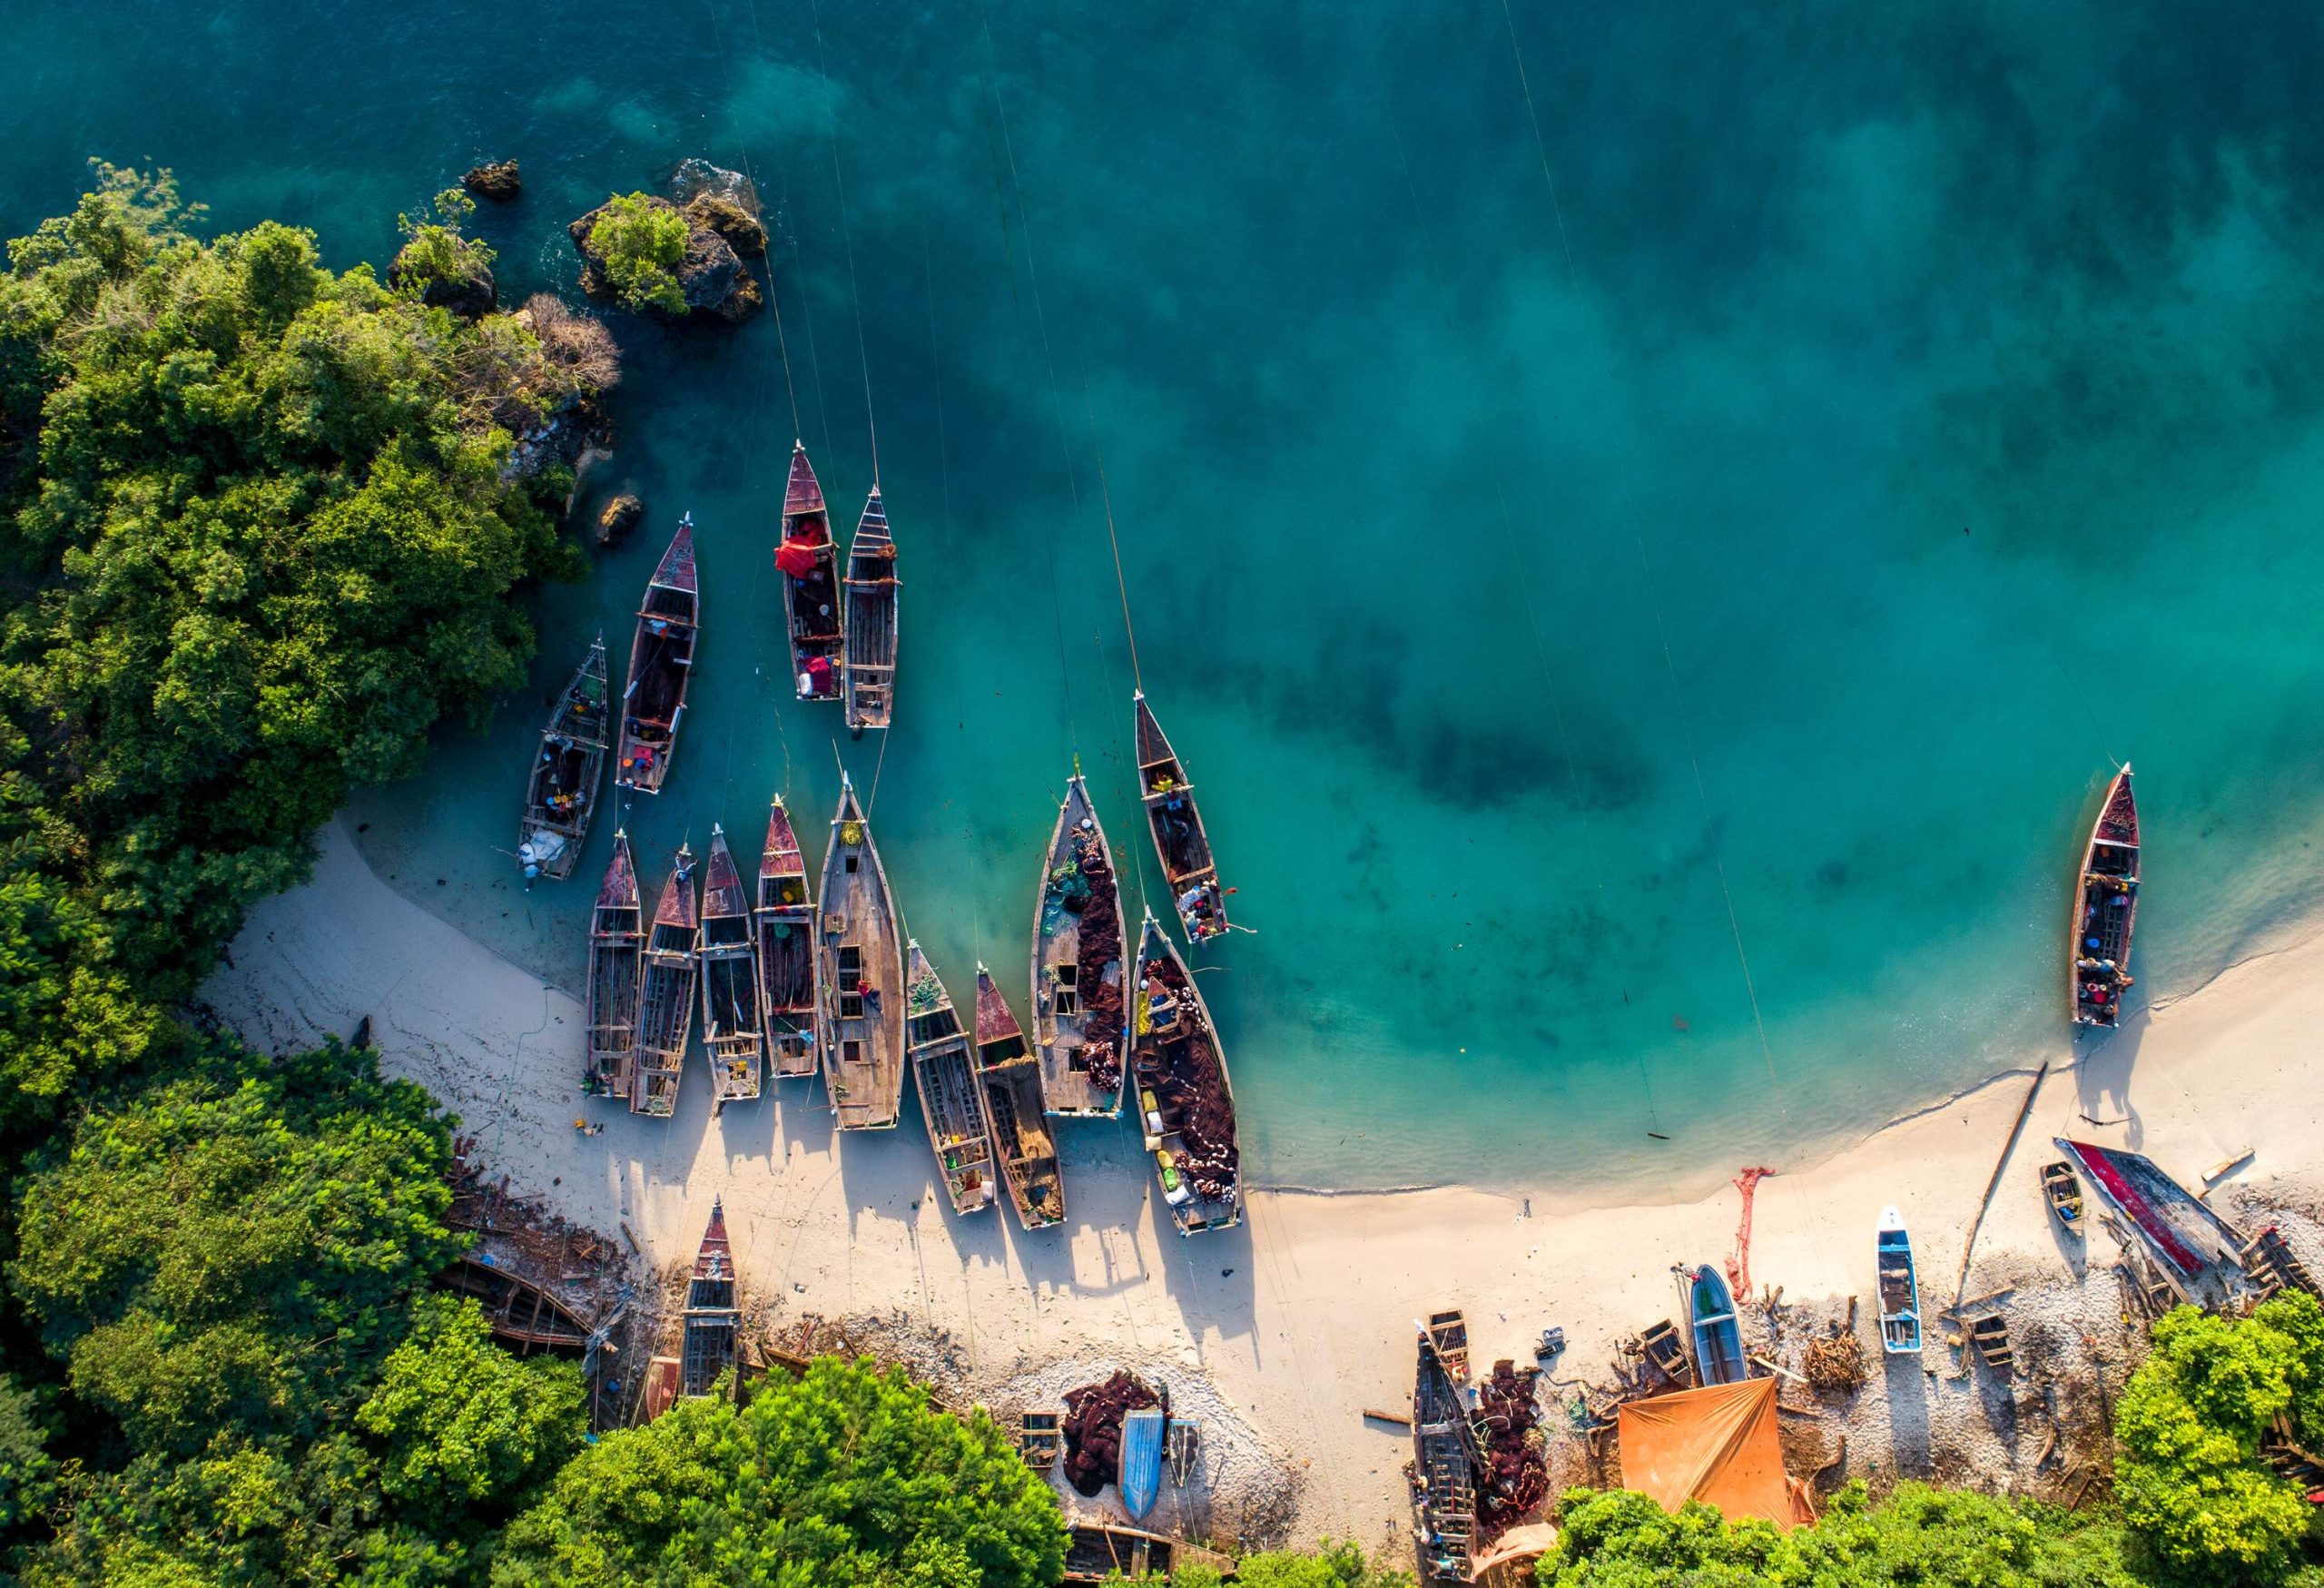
1302,1318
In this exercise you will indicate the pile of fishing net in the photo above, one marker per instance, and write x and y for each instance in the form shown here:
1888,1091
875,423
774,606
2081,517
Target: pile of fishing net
1195,1085
1516,1477
1101,945
1093,1430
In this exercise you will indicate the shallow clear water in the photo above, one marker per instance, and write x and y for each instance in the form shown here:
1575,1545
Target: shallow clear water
1748,518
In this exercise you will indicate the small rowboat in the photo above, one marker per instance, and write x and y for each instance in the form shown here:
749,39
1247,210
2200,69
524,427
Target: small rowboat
732,1030
562,794
1188,867
1184,1101
1012,1100
2105,908
1718,1341
786,944
860,945
952,1100
661,667
665,1000
1900,1288
1141,1458
2062,1192
870,650
1078,965
617,961
809,562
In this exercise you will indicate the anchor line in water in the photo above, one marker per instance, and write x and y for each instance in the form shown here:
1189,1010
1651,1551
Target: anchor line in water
846,235
750,172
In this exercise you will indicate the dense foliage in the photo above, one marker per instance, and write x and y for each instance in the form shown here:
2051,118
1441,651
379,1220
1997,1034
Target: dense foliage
1334,1566
640,244
2189,1474
846,1476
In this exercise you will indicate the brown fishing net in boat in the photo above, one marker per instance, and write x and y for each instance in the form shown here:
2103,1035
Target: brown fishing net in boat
1190,1082
1101,945
1093,1430
1516,1476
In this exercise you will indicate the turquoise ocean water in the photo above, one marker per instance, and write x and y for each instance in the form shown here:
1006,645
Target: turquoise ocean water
1601,488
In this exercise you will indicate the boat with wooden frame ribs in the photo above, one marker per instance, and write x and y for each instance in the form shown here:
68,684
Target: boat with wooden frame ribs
1188,867
1446,1463
1899,1287
616,964
2062,1192
859,949
1079,967
708,1339
661,667
1107,1552
1184,1104
786,945
731,1030
950,1097
561,795
808,559
665,994
2105,908
871,590
1013,1101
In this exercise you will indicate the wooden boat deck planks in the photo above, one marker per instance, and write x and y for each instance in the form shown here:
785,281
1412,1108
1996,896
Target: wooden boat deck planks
616,965
872,619
732,1032
2105,909
785,926
709,1326
1184,1104
561,795
1079,971
1898,1285
1012,1099
666,998
661,667
859,943
1446,1460
951,1099
1180,842
808,559
1105,1551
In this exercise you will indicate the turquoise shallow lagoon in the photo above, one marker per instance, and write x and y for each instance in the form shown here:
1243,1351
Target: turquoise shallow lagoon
1745,499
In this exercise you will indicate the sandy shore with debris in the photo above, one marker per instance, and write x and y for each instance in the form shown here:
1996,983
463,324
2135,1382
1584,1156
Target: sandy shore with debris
1280,1334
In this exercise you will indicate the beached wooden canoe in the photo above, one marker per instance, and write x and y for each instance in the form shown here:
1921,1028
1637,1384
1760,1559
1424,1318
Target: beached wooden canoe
1446,1459
872,588
1899,1285
661,667
1718,1339
731,1028
1103,1552
786,944
1079,966
1188,868
808,559
951,1099
712,1321
2105,908
665,997
1184,1101
859,943
561,795
2062,1192
1012,1100
616,964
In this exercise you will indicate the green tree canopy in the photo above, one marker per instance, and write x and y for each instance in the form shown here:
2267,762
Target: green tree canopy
640,241
461,1420
844,1478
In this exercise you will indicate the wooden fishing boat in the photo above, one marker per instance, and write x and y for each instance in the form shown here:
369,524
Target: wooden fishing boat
2062,1192
665,996
859,948
731,1030
1718,1338
1105,1551
1449,1333
709,1328
2105,908
1446,1463
809,561
562,794
786,943
661,667
1078,965
871,649
1188,867
2181,1227
950,1097
1013,1101
1184,1102
1141,1457
616,965
1900,1286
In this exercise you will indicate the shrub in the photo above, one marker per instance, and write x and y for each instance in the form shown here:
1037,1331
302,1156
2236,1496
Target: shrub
639,243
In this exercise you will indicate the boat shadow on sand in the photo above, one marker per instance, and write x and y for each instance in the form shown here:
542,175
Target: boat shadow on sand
2104,1061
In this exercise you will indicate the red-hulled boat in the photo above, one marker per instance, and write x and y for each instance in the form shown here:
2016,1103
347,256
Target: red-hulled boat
616,958
809,561
661,667
665,998
786,947
730,1026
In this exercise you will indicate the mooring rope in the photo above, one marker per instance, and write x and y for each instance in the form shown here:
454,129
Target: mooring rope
846,234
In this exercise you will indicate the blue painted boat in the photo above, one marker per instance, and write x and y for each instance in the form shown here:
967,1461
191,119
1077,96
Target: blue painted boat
1141,1459
1900,1288
1718,1341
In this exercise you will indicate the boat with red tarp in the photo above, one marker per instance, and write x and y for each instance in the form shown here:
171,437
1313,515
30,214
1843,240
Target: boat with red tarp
809,561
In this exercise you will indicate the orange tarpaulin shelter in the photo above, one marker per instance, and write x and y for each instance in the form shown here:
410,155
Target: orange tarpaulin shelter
1717,1445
